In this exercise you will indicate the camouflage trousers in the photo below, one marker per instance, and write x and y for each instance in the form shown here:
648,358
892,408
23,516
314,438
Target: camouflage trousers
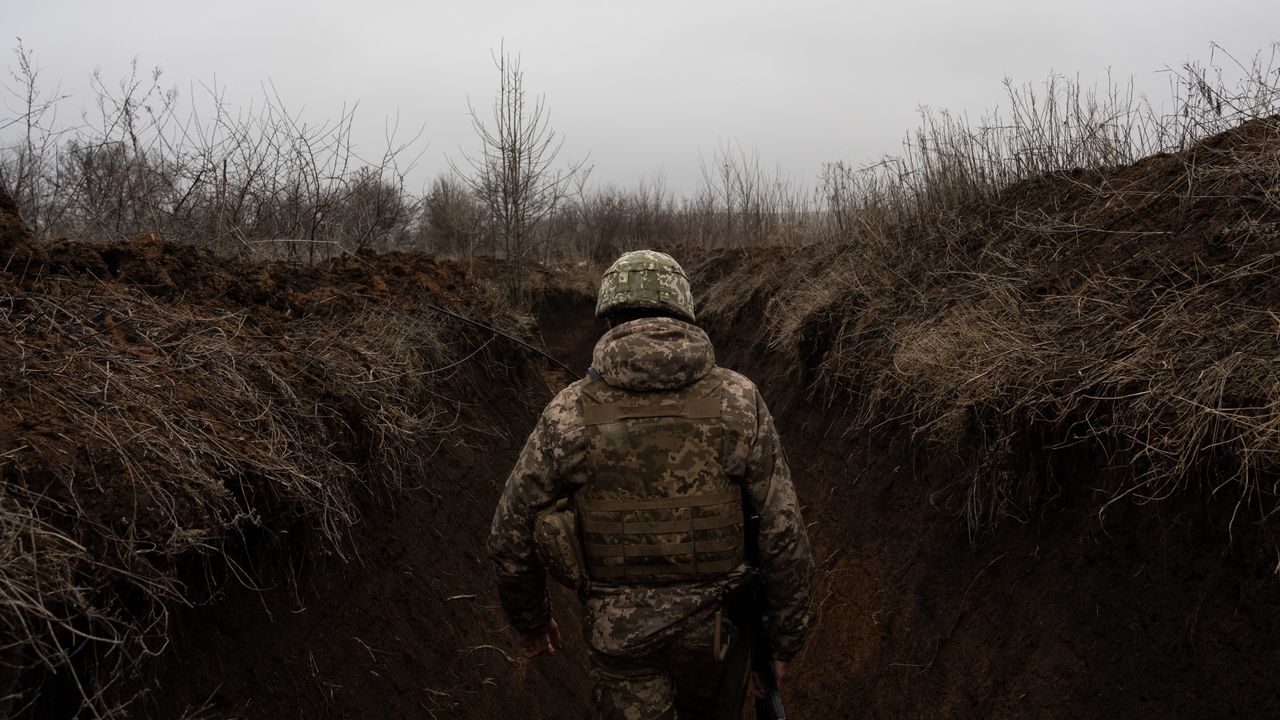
683,678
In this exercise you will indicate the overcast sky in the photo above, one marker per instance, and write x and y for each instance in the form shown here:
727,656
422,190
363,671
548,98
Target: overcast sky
644,88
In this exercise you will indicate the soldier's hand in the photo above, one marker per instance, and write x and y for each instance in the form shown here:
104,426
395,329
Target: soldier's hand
545,639
781,671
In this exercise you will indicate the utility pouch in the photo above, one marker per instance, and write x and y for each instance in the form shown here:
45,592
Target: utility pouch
555,535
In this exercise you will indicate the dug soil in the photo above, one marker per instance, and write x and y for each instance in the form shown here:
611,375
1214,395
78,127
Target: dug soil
396,619
1079,608
408,627
1144,613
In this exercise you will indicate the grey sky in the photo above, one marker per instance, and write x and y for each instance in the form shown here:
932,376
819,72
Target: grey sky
645,88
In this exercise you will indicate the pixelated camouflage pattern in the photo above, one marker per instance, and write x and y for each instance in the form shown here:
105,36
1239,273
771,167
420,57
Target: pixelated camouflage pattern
647,356
685,678
645,279
672,456
627,621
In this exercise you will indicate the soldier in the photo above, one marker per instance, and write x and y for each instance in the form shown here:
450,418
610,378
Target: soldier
659,453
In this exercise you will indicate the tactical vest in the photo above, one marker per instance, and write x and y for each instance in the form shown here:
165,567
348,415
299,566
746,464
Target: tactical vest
659,506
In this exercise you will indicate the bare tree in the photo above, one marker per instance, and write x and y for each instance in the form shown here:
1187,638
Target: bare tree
144,160
35,115
515,174
452,218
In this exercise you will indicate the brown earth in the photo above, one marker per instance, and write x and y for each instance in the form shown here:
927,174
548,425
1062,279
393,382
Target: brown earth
1167,608
1089,588
1148,614
409,628
276,609
1151,613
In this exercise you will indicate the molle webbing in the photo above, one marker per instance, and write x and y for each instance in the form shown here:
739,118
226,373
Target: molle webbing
642,573
709,545
662,549
659,506
632,552
662,503
661,526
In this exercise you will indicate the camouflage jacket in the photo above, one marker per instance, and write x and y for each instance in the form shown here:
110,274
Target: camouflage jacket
648,355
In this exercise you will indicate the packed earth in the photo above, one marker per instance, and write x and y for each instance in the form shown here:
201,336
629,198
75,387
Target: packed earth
1037,443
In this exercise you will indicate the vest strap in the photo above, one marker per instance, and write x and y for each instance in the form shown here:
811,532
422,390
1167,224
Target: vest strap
699,408
598,550
616,572
665,526
665,503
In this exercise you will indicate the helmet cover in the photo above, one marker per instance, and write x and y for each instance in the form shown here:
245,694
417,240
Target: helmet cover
645,279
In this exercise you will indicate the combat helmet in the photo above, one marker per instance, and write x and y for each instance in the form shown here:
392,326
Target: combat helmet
645,279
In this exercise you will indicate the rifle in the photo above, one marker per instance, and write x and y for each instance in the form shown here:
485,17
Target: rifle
770,706
746,606
752,608
744,603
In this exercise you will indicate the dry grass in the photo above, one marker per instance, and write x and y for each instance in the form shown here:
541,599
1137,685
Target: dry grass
1027,291
147,431
144,433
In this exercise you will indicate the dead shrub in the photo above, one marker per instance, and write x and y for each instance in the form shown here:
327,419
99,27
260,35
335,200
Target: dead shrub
1092,276
146,427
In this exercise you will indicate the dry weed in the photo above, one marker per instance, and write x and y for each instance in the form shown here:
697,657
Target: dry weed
146,433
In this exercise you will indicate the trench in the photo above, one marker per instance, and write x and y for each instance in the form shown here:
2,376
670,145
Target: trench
1147,614
1144,612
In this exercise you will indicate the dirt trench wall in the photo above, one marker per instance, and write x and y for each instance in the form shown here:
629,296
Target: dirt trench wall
235,489
409,627
1143,612
1146,611
1145,607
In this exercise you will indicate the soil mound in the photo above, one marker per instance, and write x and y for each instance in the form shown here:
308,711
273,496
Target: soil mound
177,427
1089,355
1130,308
17,251
1036,438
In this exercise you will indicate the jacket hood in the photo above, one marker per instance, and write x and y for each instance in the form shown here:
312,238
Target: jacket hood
654,354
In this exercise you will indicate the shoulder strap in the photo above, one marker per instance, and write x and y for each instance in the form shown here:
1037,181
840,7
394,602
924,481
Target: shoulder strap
699,401
697,408
595,388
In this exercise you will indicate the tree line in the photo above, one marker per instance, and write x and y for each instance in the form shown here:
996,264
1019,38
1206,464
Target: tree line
265,181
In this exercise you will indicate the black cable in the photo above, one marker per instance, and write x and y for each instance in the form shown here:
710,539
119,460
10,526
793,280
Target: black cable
500,333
